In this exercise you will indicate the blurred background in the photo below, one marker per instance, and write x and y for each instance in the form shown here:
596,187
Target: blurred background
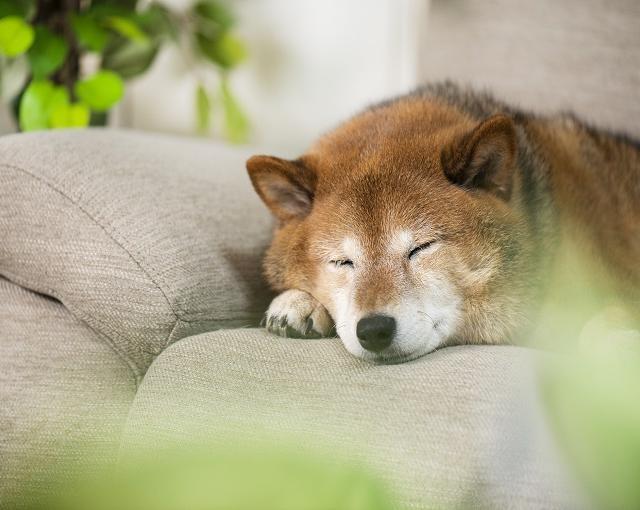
300,67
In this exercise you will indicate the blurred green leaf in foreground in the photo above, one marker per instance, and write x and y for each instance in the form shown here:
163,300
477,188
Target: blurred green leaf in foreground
594,404
592,389
227,478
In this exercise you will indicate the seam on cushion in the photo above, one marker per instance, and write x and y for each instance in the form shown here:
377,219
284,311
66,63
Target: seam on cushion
135,370
168,340
136,378
102,227
210,326
125,427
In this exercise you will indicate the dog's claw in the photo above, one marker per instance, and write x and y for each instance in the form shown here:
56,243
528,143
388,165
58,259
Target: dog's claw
280,326
308,327
272,327
291,332
296,314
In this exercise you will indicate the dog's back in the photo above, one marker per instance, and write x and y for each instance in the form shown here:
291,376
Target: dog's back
589,177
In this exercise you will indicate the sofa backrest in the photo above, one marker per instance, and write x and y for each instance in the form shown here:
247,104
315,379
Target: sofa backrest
580,55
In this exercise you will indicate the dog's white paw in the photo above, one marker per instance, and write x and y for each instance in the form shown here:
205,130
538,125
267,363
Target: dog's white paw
297,314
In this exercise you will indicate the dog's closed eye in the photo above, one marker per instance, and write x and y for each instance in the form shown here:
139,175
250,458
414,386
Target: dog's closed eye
342,262
420,248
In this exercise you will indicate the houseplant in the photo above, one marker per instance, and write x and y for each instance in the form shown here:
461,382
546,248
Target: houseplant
63,63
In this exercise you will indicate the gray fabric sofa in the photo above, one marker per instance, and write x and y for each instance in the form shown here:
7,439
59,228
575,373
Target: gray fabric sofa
130,297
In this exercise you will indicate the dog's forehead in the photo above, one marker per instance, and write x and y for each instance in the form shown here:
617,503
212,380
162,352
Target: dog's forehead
394,240
388,202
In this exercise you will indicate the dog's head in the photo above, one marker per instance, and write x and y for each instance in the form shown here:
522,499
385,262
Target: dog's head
405,224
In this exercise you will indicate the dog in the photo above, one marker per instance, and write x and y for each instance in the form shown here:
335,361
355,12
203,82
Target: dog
433,219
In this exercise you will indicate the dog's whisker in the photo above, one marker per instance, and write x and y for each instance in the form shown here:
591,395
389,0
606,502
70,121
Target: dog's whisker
427,315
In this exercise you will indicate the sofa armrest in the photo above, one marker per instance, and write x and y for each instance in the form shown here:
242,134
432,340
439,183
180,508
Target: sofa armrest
147,238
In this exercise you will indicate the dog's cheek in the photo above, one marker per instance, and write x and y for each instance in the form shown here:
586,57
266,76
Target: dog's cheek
274,267
286,264
327,288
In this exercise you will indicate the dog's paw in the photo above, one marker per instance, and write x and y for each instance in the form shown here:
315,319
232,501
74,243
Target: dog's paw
297,314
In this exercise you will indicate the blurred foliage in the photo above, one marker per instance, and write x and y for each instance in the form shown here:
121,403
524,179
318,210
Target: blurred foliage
100,91
16,36
594,405
212,478
203,109
591,390
236,123
44,43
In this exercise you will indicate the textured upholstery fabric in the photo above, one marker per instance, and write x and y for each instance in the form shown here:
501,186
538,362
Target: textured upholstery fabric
581,55
145,238
459,428
64,394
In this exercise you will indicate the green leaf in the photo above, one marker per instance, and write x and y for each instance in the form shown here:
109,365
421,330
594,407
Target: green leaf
231,50
236,124
212,22
16,36
127,28
115,5
129,59
592,405
100,91
212,18
69,115
203,110
227,51
38,101
20,8
158,22
89,32
47,53
101,11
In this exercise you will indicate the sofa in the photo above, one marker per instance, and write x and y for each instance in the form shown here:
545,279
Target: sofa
130,300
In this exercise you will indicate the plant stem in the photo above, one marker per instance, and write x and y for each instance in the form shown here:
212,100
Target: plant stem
56,16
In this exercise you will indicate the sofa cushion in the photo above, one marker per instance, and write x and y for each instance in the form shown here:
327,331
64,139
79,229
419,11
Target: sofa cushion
146,238
64,395
459,428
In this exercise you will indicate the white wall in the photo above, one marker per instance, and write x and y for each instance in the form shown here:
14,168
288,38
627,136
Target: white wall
580,55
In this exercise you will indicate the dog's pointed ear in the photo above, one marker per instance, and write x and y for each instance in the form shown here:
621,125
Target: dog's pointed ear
483,158
287,187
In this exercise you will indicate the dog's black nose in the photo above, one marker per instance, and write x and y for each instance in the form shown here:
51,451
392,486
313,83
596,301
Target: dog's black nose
376,332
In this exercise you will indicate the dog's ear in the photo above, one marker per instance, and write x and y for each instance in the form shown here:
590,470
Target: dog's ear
286,186
484,157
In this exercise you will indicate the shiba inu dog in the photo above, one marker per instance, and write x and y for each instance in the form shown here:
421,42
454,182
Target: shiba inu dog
432,219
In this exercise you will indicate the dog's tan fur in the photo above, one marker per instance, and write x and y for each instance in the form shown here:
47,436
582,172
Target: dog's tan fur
495,187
